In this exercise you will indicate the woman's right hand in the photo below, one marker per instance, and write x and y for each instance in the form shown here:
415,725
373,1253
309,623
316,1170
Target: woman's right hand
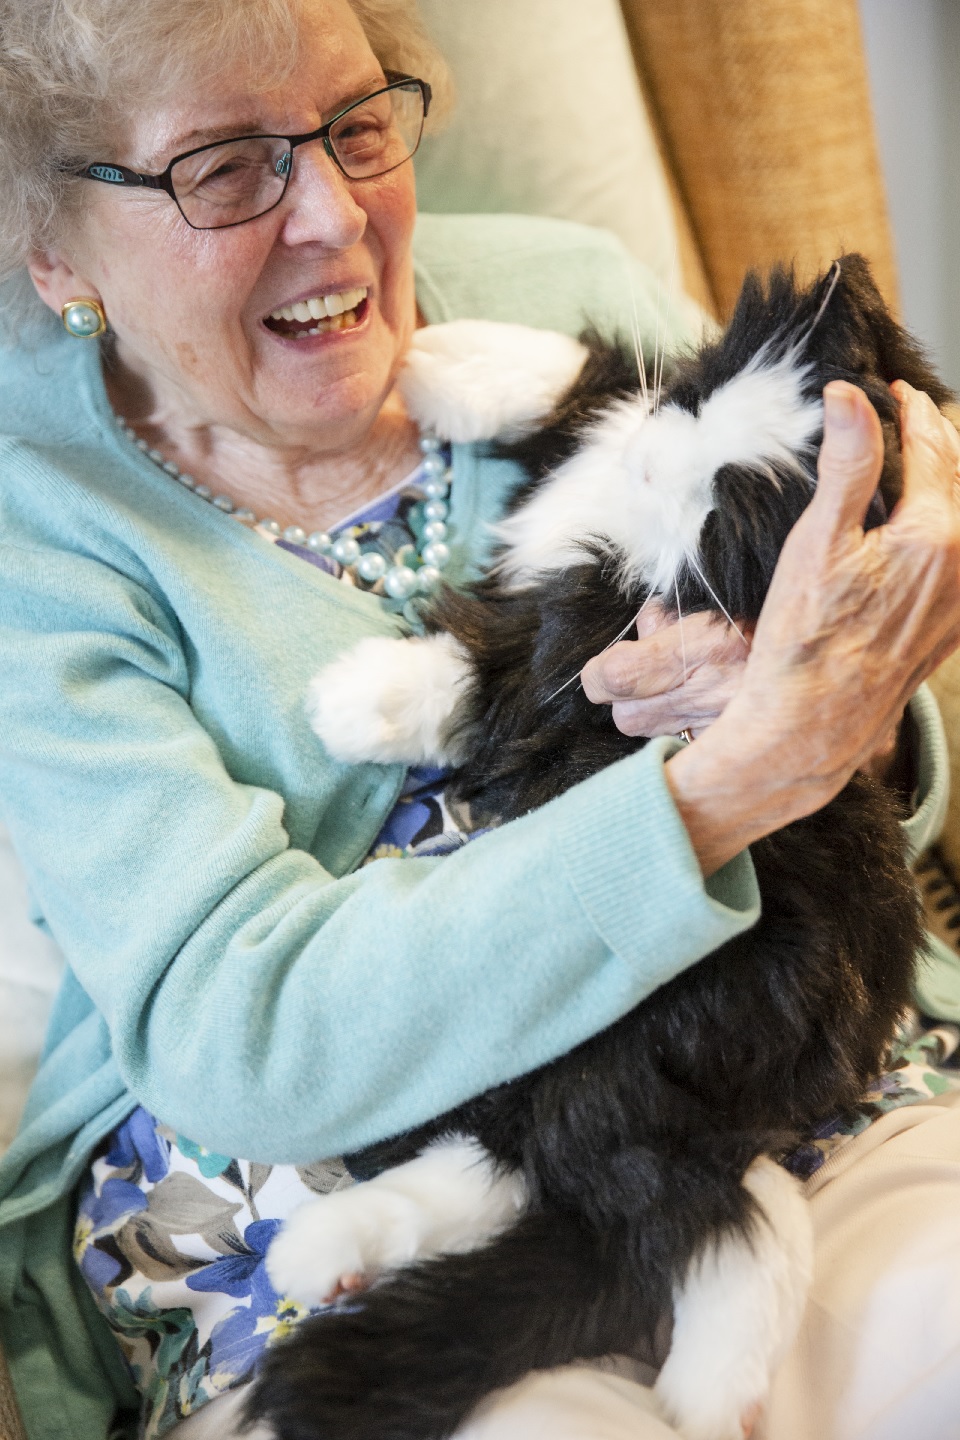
853,622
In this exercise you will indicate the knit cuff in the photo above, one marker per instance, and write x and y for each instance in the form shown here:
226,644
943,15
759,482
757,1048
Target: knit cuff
640,883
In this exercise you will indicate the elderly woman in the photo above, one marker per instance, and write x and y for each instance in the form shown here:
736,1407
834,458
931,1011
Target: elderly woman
209,487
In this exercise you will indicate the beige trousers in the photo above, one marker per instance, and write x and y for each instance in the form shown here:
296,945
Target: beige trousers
878,1354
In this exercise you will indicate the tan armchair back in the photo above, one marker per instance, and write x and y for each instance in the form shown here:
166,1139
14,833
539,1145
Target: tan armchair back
763,111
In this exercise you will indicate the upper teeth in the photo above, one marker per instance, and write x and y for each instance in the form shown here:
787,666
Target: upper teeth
320,306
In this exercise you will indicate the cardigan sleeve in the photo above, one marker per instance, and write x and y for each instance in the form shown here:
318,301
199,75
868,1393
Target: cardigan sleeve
257,1003
932,765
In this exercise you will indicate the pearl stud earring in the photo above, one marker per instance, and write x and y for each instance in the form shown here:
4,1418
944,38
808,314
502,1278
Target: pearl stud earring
84,318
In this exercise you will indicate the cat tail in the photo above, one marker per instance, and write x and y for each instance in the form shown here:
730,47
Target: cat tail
410,1358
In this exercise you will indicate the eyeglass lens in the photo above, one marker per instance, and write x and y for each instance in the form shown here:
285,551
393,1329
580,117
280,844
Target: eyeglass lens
240,179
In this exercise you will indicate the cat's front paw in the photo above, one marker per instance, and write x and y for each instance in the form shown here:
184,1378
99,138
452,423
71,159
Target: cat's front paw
338,1242
483,379
452,1197
390,700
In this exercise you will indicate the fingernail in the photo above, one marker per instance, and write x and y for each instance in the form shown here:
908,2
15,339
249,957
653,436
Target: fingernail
840,408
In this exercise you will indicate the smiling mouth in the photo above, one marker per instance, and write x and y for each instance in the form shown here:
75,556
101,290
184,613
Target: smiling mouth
320,314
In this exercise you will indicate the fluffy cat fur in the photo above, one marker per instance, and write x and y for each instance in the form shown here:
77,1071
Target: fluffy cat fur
622,1199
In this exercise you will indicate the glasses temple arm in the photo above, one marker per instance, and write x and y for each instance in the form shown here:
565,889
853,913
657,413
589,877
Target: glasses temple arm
120,175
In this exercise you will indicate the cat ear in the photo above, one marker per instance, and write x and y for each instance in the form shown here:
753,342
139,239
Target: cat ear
900,356
481,380
891,352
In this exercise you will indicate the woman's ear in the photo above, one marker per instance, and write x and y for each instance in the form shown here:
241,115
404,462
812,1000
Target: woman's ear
56,281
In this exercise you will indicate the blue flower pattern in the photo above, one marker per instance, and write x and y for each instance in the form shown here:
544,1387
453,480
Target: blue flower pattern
193,1316
242,1275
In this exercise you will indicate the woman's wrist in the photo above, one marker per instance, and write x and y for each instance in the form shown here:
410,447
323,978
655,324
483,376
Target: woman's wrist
730,793
895,763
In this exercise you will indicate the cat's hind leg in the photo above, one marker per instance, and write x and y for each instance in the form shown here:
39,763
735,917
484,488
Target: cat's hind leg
738,1312
451,1198
390,700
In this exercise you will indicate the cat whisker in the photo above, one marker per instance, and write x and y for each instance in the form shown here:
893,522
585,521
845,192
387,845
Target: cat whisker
560,688
716,599
629,625
663,344
610,643
638,351
683,647
656,354
834,280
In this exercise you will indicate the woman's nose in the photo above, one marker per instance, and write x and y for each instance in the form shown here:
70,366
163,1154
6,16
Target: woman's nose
320,203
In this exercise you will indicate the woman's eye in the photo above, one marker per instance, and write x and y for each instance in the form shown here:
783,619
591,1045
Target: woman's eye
362,135
229,170
358,134
221,171
223,166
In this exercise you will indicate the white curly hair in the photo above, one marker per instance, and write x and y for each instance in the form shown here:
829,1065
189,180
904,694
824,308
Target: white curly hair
70,70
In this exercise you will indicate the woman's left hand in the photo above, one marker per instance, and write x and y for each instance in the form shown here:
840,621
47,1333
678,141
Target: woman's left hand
675,676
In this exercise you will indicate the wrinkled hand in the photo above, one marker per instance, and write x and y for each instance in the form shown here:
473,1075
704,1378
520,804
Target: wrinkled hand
681,676
675,676
853,622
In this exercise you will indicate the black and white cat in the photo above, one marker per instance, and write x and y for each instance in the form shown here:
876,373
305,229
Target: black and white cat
625,1198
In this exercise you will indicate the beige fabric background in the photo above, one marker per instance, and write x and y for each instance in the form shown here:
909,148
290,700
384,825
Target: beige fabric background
741,136
550,120
765,118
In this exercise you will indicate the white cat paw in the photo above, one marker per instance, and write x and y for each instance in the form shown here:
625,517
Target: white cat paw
480,379
390,700
737,1313
452,1197
330,1241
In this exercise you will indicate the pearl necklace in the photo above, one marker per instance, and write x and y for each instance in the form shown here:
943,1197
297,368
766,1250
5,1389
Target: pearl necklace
370,569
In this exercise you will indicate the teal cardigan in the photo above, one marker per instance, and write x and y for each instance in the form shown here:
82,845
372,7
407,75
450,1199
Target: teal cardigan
194,851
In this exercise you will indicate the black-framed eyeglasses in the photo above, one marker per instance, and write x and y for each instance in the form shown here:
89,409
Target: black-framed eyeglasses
232,181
